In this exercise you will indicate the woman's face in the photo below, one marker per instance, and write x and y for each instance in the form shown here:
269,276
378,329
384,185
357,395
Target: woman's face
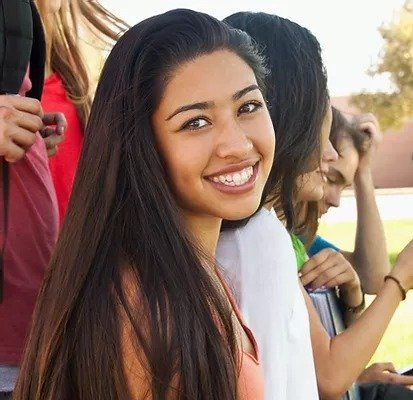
215,136
311,184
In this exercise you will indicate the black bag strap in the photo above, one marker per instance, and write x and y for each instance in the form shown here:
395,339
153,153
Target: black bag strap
16,30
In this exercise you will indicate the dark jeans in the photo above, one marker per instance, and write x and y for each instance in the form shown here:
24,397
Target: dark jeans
385,391
6,396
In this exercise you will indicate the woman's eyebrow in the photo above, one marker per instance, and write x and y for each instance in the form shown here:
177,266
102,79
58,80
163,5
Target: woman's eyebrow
209,104
244,91
194,106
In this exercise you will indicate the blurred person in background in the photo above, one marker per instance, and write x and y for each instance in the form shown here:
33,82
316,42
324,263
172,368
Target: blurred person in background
28,212
258,257
356,139
68,25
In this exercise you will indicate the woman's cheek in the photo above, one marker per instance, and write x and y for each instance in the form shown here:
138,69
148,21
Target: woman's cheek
265,142
187,160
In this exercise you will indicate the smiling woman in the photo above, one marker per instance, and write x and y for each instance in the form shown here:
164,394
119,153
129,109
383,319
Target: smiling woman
133,306
225,135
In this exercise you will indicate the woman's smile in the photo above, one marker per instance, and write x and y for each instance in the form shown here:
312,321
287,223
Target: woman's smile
235,180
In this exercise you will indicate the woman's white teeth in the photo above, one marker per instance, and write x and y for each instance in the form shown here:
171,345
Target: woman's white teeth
235,179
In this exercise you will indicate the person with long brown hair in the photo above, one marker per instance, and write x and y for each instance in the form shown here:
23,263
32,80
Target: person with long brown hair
133,307
258,256
68,86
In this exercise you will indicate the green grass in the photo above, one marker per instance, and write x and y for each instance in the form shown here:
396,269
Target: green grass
397,343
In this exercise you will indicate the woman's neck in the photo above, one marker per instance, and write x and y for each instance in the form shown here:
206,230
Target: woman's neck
302,212
205,229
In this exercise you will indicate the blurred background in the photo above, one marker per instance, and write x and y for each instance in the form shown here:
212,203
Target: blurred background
368,52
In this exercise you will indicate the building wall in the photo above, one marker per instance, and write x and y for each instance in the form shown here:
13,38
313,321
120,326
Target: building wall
393,164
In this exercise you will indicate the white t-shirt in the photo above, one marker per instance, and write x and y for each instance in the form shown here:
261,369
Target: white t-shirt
259,264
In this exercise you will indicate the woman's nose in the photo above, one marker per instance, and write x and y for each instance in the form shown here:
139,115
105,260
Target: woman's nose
234,142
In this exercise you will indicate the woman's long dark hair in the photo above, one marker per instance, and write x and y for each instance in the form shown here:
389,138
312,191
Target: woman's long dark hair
297,97
122,222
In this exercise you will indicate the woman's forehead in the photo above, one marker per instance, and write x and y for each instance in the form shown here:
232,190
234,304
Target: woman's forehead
211,77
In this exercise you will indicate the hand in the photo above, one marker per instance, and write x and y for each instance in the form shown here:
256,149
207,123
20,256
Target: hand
403,269
20,119
384,372
53,133
327,269
368,124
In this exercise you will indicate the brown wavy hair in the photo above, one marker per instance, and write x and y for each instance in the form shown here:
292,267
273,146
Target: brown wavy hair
341,128
63,37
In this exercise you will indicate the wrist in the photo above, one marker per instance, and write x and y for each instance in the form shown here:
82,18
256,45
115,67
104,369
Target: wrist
351,293
391,279
352,287
401,271
353,304
364,177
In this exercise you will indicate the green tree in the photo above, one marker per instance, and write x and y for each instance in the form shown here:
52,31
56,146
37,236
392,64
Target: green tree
396,61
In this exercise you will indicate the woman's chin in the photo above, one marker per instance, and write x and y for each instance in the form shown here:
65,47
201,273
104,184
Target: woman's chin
240,213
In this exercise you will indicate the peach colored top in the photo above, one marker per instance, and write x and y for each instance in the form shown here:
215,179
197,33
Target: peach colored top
251,375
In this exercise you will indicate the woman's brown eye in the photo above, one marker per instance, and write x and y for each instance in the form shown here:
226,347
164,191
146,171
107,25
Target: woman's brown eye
249,108
196,123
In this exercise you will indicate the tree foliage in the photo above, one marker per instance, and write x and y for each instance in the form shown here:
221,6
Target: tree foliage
396,61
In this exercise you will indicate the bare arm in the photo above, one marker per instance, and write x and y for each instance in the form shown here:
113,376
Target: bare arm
340,360
329,268
369,258
352,296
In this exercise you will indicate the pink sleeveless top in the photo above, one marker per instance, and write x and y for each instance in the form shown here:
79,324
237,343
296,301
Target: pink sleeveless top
251,375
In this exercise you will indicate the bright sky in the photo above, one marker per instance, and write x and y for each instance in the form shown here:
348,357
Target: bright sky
346,29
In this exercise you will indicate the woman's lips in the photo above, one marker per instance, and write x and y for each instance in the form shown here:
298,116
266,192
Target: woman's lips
237,182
